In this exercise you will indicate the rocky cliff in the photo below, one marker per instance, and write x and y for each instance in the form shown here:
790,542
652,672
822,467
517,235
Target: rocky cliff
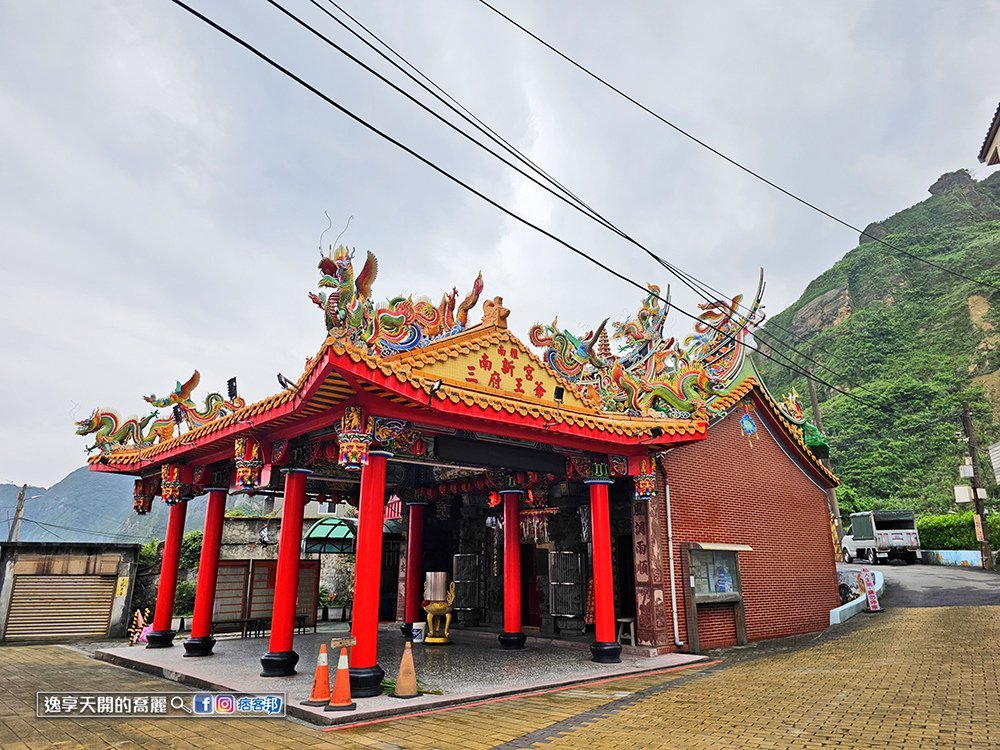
911,340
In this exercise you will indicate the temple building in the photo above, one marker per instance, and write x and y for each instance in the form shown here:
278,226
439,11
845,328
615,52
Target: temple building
615,485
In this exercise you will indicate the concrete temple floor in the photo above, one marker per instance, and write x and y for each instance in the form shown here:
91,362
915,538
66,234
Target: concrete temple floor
474,667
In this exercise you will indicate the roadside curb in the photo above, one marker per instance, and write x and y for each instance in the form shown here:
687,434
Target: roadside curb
845,612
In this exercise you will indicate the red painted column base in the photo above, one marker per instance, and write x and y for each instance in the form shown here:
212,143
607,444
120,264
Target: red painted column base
201,642
414,549
281,657
162,636
512,638
603,650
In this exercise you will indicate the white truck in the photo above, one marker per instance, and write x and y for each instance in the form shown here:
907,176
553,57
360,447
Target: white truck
881,535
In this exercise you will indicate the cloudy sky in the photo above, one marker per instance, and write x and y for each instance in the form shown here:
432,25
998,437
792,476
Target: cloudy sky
162,191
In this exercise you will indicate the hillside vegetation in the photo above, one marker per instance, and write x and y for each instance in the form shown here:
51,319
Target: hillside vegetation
909,339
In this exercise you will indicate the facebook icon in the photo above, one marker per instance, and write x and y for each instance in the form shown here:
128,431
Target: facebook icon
204,704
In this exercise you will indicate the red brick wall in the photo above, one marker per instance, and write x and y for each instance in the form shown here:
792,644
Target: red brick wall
716,626
725,491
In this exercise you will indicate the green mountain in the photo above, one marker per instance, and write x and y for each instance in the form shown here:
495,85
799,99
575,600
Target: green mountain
88,506
911,341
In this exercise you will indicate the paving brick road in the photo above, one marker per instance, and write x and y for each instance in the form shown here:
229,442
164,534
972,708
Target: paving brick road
911,678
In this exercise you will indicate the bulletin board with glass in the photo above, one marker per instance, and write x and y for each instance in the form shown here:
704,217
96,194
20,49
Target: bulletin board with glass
715,575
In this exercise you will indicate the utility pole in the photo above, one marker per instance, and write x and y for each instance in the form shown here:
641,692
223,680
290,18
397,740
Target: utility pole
984,544
14,533
831,494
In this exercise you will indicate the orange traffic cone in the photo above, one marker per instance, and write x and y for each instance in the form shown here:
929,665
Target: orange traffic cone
341,698
406,682
320,695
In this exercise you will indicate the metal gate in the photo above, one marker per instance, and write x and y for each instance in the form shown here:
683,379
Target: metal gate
83,611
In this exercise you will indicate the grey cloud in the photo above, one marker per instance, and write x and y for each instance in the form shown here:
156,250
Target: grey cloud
163,192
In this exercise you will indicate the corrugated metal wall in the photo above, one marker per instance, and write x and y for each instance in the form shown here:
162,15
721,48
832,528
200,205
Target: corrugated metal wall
60,607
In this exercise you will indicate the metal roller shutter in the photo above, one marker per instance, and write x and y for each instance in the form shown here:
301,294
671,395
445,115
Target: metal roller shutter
60,606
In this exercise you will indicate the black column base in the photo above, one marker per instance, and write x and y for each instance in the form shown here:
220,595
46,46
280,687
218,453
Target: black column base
199,646
406,628
366,682
160,638
606,653
512,641
279,663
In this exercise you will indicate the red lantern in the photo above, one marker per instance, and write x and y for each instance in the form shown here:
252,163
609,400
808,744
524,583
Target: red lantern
330,452
466,486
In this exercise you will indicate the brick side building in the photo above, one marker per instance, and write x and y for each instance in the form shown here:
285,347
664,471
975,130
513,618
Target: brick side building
757,492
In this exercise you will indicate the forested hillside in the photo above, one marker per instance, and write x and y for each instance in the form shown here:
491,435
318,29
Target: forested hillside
909,339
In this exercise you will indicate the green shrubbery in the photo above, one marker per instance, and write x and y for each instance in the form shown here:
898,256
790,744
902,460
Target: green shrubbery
148,554
953,531
184,599
190,550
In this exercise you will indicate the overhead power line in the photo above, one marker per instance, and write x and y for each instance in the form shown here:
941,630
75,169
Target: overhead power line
570,198
47,526
458,181
731,160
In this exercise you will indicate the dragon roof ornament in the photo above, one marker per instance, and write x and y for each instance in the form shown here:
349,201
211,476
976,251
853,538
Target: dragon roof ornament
791,407
111,433
383,328
653,374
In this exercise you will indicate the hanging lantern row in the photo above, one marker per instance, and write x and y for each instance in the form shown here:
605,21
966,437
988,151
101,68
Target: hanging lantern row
534,485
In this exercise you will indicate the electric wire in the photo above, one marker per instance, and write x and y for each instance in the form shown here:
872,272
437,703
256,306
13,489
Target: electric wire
572,200
731,160
42,526
498,138
458,181
84,531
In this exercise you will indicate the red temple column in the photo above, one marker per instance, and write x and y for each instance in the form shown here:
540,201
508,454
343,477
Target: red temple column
280,659
366,674
201,641
414,551
512,637
161,636
605,648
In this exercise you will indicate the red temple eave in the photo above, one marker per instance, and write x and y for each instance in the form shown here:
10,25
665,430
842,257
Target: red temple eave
339,374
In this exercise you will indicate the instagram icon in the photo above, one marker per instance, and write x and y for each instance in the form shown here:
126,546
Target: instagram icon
225,704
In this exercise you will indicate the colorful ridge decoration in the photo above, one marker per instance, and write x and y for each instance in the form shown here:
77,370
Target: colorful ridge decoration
111,433
397,325
653,375
791,407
